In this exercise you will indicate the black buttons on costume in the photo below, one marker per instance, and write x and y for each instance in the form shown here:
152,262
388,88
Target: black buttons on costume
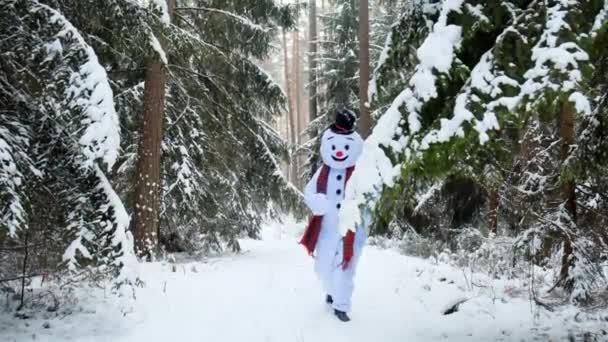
338,191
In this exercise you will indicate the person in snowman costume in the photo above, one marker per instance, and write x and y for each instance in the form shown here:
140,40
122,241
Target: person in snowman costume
336,256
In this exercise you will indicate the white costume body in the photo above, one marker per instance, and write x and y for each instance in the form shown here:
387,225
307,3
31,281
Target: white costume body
336,281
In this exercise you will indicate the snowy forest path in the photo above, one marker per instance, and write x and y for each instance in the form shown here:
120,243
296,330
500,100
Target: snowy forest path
269,292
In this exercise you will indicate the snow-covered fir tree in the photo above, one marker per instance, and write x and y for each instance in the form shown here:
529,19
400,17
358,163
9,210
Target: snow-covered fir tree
498,92
59,139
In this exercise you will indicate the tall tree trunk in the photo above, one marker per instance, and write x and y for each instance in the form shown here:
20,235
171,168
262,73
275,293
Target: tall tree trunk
290,116
365,122
148,183
567,134
312,63
297,90
297,95
148,180
304,76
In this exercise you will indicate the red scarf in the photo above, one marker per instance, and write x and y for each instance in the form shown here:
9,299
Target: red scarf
311,234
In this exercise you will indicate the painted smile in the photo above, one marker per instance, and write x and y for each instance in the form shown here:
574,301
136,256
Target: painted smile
339,159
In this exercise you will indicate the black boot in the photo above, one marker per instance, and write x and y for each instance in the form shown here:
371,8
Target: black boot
329,300
341,315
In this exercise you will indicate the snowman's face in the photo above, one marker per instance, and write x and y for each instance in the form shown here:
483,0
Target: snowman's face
340,151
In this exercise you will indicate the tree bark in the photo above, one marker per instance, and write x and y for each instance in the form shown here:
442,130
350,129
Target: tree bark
297,90
148,184
297,97
312,63
290,114
567,134
26,251
365,121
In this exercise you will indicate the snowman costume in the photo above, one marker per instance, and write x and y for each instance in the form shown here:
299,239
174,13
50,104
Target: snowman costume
336,256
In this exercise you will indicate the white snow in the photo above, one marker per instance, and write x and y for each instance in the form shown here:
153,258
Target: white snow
601,18
437,51
76,246
425,197
581,102
270,293
564,57
10,180
373,83
186,174
158,48
158,4
122,239
164,9
477,10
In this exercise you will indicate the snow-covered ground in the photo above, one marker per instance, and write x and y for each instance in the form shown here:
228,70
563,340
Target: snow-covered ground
269,293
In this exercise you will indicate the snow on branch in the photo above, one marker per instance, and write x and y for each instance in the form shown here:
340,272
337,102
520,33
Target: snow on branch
87,100
89,89
552,53
373,83
374,169
118,226
601,19
243,20
155,44
558,62
11,210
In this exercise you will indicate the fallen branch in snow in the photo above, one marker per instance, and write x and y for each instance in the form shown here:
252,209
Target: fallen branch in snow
455,306
544,305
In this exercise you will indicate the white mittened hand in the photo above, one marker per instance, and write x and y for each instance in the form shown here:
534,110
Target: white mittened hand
317,203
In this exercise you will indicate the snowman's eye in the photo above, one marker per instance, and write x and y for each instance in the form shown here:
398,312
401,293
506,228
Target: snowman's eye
346,147
333,147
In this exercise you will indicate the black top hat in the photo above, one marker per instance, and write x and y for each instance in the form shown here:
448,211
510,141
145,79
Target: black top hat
345,122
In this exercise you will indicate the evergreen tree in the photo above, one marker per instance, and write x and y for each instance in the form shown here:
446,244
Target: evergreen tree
485,76
59,136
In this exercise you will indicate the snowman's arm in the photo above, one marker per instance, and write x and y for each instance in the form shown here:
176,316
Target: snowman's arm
317,202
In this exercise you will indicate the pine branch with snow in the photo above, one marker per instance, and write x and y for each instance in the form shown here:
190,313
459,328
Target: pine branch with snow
65,136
